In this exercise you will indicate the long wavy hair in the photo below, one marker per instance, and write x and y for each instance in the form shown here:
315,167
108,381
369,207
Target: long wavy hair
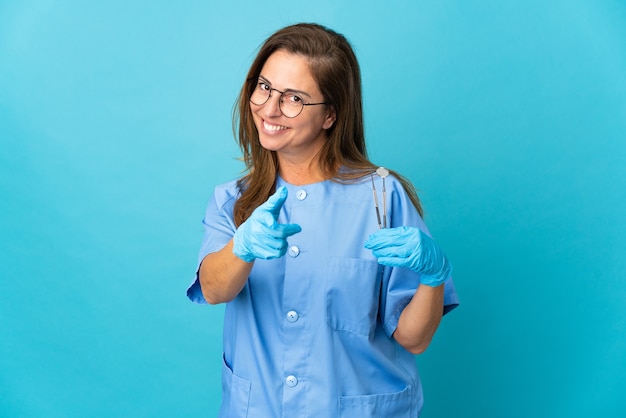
343,157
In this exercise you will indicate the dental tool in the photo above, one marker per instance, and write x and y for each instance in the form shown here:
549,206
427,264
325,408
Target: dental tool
382,172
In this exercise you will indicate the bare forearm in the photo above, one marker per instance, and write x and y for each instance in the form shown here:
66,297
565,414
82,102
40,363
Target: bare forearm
222,275
420,319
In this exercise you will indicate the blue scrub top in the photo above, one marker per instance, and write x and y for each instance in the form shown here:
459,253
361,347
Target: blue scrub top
310,333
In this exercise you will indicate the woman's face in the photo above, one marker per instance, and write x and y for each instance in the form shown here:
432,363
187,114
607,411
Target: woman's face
297,139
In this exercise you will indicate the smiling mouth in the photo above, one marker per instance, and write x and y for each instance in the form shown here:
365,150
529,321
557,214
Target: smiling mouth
273,128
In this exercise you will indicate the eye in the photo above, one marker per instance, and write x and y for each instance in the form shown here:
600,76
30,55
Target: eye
263,86
292,98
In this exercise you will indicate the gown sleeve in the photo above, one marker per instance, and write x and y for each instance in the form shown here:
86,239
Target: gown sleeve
219,228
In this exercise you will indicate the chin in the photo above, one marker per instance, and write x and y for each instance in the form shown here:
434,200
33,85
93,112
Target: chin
268,144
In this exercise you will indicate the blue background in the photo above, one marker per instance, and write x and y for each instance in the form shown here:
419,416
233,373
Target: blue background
115,125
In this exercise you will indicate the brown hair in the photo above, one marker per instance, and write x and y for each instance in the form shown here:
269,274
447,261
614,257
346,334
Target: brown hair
336,71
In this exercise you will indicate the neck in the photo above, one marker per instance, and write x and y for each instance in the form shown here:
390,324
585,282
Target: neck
300,173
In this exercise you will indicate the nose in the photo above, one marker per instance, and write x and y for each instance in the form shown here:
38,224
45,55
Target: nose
271,108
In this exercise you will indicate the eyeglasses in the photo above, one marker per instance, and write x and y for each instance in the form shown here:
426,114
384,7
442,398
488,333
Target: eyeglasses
289,103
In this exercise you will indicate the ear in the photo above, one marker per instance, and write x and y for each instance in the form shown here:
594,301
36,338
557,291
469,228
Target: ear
331,117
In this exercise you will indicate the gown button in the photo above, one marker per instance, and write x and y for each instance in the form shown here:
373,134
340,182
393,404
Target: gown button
293,251
301,194
292,316
291,381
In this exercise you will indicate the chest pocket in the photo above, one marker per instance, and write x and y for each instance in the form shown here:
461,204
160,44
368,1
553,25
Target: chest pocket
352,295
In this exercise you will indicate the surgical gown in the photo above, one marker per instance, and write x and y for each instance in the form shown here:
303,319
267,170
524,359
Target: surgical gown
310,334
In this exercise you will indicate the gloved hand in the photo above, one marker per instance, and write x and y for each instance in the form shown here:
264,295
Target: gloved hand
261,236
411,248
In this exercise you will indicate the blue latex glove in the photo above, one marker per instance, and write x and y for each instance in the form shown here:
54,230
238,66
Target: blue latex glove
411,248
261,236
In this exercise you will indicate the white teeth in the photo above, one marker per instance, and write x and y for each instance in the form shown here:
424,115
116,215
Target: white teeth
274,128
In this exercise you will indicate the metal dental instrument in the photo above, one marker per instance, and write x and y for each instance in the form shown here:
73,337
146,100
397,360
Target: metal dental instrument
380,225
382,172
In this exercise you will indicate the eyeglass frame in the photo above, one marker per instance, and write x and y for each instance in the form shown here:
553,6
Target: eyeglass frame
259,80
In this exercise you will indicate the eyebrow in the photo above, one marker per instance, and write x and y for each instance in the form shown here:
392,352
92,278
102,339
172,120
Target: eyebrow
304,93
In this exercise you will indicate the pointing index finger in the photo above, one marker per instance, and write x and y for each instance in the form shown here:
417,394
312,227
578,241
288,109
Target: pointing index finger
276,201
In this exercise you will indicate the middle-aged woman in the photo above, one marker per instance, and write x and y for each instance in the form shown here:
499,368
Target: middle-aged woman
330,278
